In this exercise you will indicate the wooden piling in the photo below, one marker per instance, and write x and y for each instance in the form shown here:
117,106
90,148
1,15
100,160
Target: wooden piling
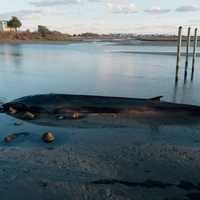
187,53
194,53
178,51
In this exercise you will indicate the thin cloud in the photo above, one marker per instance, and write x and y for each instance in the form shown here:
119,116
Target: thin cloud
47,3
188,8
122,8
157,10
22,14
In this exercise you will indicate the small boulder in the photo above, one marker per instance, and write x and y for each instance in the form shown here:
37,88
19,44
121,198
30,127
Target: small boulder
60,117
12,110
43,184
29,116
18,123
10,138
76,115
48,137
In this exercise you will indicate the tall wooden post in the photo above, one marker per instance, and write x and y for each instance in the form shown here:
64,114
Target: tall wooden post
178,51
187,52
194,53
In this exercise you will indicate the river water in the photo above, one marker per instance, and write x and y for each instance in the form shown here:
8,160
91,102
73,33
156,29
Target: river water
96,68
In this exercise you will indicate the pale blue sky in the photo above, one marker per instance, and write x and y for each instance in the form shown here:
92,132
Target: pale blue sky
105,16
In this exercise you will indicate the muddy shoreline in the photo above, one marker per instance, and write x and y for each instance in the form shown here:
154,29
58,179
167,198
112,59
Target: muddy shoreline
136,163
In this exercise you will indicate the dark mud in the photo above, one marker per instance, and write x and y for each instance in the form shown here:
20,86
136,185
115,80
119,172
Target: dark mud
140,163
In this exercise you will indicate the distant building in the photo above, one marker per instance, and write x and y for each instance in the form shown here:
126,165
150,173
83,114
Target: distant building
4,27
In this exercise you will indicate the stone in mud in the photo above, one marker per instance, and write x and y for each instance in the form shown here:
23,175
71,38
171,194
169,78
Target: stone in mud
48,137
114,115
43,184
61,117
18,123
76,115
29,116
10,138
12,110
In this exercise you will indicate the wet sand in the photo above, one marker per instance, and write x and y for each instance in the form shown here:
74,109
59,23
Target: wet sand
158,162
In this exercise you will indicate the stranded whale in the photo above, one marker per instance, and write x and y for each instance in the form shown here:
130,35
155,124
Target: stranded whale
99,111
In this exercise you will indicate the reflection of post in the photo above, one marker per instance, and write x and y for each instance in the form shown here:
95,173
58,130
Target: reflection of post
187,52
175,92
194,53
178,51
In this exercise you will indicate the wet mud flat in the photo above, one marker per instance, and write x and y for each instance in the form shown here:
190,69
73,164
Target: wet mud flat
160,162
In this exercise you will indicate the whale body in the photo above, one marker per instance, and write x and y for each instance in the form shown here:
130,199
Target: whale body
67,110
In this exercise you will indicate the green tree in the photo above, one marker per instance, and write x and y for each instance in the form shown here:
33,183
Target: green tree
14,23
43,30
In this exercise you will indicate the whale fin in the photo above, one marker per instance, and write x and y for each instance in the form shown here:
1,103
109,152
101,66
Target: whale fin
156,98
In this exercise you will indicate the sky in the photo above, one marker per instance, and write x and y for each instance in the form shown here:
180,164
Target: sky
104,16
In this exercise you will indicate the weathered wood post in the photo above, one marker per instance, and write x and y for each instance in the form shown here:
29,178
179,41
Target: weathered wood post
187,52
178,51
194,53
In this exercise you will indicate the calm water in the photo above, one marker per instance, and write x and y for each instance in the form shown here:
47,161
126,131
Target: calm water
93,68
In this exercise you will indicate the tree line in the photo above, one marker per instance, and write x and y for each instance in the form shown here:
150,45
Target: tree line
15,23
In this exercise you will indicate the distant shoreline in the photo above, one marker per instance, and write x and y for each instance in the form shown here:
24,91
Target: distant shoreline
38,42
61,38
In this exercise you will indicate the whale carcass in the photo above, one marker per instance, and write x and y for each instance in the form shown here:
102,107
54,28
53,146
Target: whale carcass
98,111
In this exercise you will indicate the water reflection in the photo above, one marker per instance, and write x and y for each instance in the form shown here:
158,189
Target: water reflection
192,75
183,90
175,90
12,55
11,51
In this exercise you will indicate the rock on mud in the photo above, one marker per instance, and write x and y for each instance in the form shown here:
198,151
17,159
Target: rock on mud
61,117
48,137
18,123
76,115
12,110
10,138
29,116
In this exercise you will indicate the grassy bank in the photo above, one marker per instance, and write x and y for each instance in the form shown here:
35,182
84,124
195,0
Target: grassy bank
6,37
